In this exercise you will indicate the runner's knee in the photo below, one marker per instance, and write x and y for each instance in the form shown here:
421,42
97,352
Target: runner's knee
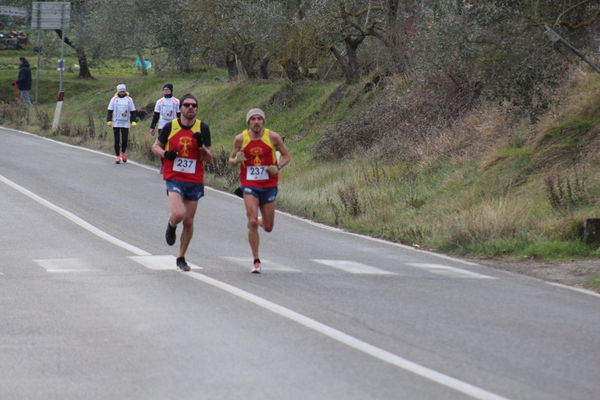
177,217
252,223
268,227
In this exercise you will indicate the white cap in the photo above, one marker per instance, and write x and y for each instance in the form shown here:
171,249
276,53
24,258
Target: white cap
121,87
255,111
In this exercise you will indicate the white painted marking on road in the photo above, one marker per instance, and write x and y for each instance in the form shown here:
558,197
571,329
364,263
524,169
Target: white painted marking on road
267,265
160,263
64,265
351,341
449,271
74,218
576,289
353,267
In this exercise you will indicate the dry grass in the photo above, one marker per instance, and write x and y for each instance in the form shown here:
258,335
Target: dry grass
13,113
496,219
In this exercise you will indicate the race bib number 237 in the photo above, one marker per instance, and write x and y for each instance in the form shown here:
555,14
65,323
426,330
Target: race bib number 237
186,165
257,173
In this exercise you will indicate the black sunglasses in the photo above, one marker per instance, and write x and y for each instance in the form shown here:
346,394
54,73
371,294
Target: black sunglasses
189,105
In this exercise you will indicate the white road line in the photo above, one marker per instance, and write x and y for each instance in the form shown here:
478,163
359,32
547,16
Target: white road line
267,265
351,341
64,265
353,267
449,271
575,289
74,218
159,263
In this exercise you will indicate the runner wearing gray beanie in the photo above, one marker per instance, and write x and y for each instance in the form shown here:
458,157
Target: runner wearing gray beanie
255,151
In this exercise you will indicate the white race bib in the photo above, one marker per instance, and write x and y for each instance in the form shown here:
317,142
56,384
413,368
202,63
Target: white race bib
256,173
121,113
185,165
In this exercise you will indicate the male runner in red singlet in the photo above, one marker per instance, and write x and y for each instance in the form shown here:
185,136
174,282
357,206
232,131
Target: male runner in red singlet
184,145
254,150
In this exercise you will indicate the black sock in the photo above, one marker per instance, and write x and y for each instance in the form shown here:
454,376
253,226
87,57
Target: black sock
256,260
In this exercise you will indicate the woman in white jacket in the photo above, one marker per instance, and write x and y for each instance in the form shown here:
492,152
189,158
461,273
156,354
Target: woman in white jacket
121,115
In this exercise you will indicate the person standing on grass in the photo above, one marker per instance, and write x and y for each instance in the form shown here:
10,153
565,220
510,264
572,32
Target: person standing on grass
23,82
165,110
121,116
184,146
254,150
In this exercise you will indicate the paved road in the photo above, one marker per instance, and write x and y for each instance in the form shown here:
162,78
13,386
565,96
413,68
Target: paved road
93,308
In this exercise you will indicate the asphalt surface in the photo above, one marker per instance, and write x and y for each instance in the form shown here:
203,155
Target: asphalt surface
92,306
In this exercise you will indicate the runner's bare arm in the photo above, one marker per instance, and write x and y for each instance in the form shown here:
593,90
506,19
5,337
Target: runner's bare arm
158,148
282,148
234,159
206,153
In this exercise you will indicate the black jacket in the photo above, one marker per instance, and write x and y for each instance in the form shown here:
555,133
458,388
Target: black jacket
24,79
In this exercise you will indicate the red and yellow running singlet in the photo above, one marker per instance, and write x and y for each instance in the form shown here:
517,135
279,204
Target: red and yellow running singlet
259,155
188,165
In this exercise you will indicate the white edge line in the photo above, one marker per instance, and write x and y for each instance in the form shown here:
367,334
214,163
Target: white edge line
308,221
351,341
74,218
575,289
437,268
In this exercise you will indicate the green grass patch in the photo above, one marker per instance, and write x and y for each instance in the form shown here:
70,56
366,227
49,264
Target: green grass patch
593,283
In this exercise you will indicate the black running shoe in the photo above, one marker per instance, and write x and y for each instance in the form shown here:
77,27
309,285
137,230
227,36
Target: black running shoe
182,265
170,235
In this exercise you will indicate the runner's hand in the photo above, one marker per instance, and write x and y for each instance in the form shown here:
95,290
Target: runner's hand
198,137
170,154
273,169
109,123
152,131
239,157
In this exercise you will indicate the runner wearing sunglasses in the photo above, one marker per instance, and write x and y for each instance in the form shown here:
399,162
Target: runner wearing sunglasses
184,145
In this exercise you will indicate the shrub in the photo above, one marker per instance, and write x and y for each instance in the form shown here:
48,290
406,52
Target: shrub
220,168
350,200
13,113
566,193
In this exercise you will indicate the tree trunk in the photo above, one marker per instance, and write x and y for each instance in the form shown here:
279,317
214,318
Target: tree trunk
232,70
184,63
142,62
84,70
291,70
340,60
264,67
249,62
352,55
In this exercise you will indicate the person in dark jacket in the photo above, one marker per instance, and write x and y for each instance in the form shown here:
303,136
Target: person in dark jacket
23,81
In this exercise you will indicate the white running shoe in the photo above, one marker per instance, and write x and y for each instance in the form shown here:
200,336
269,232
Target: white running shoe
256,269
